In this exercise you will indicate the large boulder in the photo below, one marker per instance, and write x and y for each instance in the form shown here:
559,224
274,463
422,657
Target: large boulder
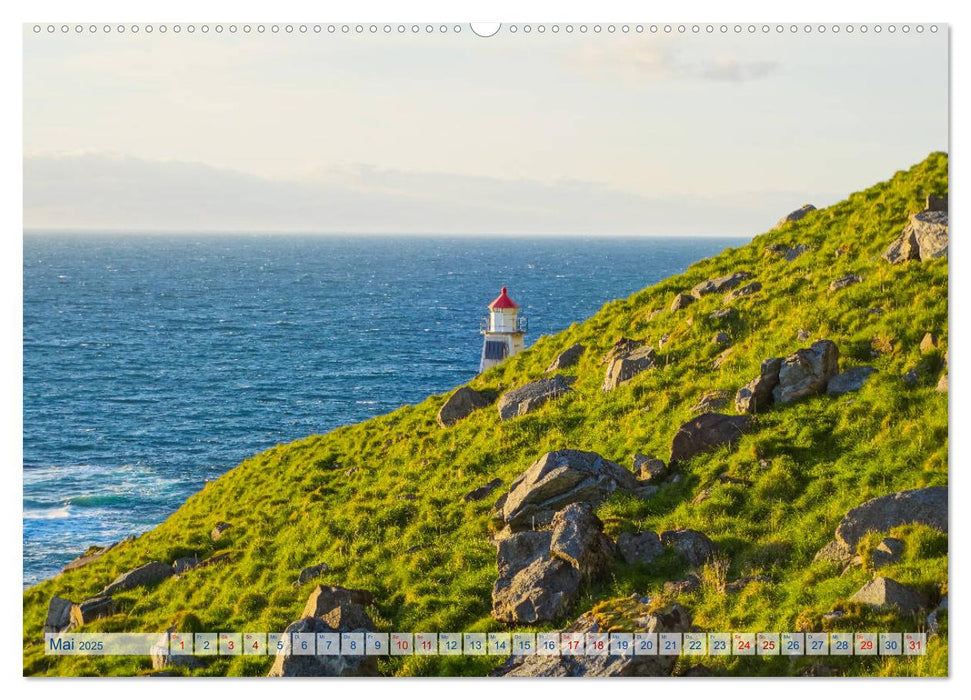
626,366
459,405
323,599
706,432
294,665
756,396
578,539
541,592
883,592
806,372
622,346
639,547
719,284
673,618
796,215
567,358
519,550
852,379
92,609
924,237
144,575
927,506
558,479
58,615
529,397
694,547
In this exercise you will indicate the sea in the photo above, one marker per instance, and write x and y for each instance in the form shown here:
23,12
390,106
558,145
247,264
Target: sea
153,363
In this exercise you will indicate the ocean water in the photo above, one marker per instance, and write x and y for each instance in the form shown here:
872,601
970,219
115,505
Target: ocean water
154,363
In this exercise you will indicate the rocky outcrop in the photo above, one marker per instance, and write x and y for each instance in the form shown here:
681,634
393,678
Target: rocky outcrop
747,290
558,479
622,346
706,432
144,575
482,492
649,468
924,238
540,592
58,615
93,554
519,550
851,380
625,367
327,598
796,215
883,592
844,282
183,564
807,372
711,401
459,405
717,285
218,530
578,539
567,358
927,506
92,609
756,396
681,301
639,547
310,573
529,397
694,547
673,618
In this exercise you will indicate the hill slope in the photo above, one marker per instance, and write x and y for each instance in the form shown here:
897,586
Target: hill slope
381,503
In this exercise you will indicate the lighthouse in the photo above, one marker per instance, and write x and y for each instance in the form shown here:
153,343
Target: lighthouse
503,331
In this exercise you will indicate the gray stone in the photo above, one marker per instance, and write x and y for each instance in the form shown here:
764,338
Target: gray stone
933,620
649,468
803,336
93,554
183,564
694,547
929,342
851,380
324,599
722,358
639,547
519,550
290,665
806,372
836,552
722,314
681,300
747,290
883,592
911,377
578,539
218,531
625,367
541,592
92,609
927,506
888,552
705,433
144,575
844,282
311,572
622,346
459,405
567,358
925,237
784,251
482,492
711,401
688,584
756,396
673,618
719,284
558,479
58,615
721,338
796,215
529,397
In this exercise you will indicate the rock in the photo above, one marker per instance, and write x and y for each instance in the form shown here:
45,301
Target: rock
217,559
721,338
558,479
929,342
625,367
936,203
818,670
806,372
92,609
851,380
323,599
888,552
58,615
144,575
844,282
567,358
719,284
622,346
796,215
835,552
673,618
722,314
183,564
745,291
541,592
686,585
927,506
722,358
784,251
93,554
321,665
706,432
740,584
934,617
803,336
578,539
218,530
529,397
482,492
347,617
649,468
924,238
711,401
942,384
681,301
459,405
757,396
639,547
519,550
702,496
883,592
311,572
694,547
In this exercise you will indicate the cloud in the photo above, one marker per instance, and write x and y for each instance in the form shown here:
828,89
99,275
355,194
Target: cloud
100,191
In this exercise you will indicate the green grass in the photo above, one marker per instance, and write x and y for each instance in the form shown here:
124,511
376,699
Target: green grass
338,498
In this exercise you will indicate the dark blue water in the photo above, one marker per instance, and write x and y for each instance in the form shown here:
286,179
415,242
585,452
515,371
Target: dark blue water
154,363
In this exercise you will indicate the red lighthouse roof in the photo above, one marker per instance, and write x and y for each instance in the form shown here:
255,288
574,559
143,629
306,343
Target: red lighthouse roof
503,301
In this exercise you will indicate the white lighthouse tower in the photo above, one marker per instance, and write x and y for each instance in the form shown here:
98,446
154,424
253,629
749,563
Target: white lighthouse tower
503,330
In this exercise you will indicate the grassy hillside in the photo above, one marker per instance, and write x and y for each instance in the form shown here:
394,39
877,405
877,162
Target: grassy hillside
381,501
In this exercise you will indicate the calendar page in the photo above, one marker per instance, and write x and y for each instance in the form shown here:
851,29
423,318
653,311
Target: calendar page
517,349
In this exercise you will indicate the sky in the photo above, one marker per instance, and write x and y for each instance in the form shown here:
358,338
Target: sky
563,134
